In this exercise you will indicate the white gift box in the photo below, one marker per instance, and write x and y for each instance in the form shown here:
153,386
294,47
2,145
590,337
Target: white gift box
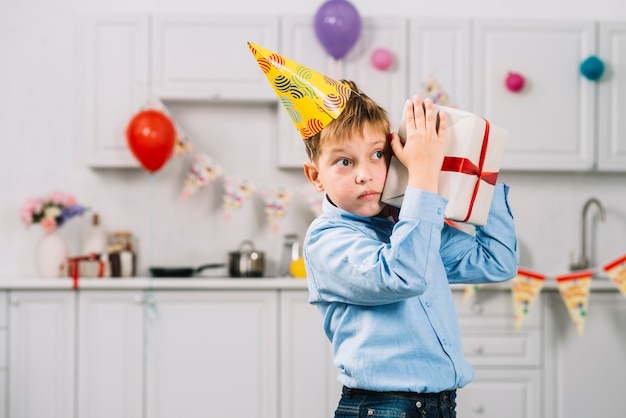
468,176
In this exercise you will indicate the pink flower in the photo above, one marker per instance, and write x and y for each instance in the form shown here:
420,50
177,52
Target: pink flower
48,224
26,215
70,200
58,198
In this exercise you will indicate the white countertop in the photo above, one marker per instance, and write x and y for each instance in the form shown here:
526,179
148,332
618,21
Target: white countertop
215,283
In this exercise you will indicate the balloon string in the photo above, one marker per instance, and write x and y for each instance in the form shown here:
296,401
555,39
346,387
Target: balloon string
337,71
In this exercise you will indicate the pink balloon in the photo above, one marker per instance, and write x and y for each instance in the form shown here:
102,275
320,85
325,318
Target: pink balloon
382,59
515,82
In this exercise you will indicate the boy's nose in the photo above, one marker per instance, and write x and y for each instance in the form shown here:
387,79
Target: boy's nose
363,176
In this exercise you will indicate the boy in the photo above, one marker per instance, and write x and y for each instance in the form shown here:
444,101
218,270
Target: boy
381,285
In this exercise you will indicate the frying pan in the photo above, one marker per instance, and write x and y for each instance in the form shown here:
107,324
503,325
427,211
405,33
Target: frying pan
182,271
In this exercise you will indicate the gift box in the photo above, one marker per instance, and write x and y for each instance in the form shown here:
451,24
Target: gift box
470,168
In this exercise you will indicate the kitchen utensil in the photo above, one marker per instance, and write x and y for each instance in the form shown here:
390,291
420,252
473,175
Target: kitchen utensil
247,262
182,271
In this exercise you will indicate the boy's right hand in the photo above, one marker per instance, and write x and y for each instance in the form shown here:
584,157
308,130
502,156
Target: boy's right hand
423,151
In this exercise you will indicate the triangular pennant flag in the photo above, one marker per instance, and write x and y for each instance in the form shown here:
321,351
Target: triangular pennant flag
616,270
574,289
236,191
203,171
315,200
526,286
312,99
276,202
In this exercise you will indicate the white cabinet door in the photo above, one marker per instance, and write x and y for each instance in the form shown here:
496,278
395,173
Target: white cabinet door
116,50
212,354
439,52
41,354
501,393
585,375
207,56
110,354
612,98
308,377
388,88
551,121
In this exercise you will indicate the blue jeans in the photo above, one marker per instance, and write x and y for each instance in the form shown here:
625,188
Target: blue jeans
357,403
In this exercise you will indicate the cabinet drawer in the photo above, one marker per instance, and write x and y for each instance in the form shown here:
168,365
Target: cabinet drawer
516,348
493,308
3,393
502,393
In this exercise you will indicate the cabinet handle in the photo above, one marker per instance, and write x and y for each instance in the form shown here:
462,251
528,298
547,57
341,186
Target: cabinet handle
479,350
138,299
15,301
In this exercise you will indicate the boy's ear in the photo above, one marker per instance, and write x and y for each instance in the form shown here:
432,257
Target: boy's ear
311,173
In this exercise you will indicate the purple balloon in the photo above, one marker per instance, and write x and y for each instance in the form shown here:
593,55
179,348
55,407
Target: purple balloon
337,26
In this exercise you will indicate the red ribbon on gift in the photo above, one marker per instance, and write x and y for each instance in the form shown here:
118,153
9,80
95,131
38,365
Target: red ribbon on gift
466,166
73,267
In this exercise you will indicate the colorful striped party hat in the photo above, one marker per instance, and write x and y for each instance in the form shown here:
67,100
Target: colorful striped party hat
311,99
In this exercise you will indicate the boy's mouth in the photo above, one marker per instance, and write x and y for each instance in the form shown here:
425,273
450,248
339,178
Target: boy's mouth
369,195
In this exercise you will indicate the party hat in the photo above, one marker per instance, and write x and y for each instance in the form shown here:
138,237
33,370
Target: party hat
311,99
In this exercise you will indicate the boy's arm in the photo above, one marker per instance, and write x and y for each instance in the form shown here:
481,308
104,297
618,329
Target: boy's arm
490,255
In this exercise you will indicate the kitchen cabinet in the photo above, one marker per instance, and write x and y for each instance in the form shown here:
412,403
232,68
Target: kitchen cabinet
551,122
110,354
507,362
612,98
439,52
115,51
585,375
388,88
308,376
206,57
212,353
41,354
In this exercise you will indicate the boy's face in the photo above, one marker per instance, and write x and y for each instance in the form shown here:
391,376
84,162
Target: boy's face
352,172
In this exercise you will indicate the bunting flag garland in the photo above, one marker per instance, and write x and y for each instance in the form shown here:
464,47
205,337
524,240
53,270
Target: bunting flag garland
574,289
433,90
525,288
315,200
276,202
616,271
236,191
203,171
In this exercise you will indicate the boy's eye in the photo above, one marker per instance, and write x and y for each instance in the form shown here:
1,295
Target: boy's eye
378,155
343,162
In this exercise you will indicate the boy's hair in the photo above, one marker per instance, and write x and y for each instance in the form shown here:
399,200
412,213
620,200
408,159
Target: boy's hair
360,111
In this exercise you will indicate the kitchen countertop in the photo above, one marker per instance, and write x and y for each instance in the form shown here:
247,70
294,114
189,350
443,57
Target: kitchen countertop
601,284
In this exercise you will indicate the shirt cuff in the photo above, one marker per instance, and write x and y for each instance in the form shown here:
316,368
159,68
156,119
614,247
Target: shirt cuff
422,205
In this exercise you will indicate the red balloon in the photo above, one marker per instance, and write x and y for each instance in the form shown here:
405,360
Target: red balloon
151,138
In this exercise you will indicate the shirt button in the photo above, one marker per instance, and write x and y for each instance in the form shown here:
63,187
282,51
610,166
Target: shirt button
418,404
427,304
438,211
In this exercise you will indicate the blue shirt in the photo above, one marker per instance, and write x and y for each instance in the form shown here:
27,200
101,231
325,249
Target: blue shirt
383,289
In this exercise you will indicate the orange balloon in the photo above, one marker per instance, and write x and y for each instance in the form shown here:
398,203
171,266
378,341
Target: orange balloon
151,137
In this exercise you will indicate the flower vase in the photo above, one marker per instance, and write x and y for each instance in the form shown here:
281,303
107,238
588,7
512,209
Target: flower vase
50,254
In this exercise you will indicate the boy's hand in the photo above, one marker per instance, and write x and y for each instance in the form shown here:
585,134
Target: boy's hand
423,151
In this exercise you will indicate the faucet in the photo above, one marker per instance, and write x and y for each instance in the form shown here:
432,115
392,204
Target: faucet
583,260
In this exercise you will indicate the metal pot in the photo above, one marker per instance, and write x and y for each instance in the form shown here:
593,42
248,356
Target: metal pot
247,262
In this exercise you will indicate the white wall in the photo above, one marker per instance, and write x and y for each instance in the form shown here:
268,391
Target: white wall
40,140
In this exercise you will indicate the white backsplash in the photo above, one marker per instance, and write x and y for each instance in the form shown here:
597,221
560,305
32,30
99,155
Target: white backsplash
41,152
